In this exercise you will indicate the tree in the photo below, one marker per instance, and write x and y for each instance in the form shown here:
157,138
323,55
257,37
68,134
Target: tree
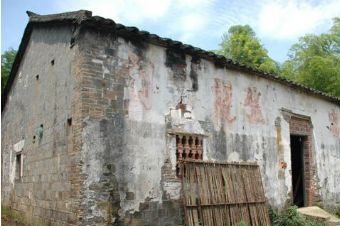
7,59
241,45
315,61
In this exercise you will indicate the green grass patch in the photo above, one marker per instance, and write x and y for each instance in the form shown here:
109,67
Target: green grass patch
290,217
12,216
337,213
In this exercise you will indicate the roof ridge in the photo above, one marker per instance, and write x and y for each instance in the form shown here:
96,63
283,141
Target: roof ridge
74,15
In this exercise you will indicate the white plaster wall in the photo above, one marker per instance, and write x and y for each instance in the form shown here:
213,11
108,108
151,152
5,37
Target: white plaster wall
165,93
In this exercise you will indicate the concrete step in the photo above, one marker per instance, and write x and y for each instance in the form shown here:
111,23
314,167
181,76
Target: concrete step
315,212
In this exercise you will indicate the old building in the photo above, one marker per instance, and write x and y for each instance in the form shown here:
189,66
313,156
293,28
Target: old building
95,115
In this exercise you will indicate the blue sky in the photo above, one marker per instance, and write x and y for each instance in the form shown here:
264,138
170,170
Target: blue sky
201,23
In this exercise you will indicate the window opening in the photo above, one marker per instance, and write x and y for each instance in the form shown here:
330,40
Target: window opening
188,147
18,166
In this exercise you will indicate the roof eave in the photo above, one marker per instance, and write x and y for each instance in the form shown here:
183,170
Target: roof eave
85,18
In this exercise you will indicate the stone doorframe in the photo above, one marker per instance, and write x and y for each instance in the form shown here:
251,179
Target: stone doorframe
301,125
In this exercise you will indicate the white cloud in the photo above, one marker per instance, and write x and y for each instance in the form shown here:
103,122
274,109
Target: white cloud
203,22
182,20
190,25
126,11
179,19
193,18
289,19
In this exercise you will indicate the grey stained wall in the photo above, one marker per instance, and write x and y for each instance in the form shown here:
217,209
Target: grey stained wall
43,93
131,90
116,163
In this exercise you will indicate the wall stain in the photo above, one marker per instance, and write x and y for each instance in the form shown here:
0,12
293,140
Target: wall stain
222,91
140,83
280,149
140,46
195,65
252,102
175,60
220,144
333,117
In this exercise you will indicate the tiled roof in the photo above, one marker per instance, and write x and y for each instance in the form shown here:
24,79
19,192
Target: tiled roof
85,18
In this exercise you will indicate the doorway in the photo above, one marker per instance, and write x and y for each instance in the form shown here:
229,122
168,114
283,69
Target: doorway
296,151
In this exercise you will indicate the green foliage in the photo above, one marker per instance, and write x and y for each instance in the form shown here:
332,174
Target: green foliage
242,223
7,59
337,213
291,217
10,216
241,45
315,61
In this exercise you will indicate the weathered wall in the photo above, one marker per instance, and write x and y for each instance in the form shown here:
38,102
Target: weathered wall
122,158
43,93
130,98
116,162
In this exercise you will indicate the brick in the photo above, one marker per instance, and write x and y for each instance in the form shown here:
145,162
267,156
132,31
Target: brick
303,127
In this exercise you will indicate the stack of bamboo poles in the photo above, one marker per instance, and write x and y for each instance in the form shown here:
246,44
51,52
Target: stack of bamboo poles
223,194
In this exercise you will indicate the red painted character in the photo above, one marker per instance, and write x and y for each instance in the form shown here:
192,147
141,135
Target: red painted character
252,101
223,102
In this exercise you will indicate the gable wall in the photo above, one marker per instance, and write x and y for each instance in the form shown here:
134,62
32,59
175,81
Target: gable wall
44,194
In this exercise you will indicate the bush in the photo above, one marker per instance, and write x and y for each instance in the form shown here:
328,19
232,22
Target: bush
8,215
337,213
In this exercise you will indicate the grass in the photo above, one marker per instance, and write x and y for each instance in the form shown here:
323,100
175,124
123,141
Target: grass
337,213
291,217
242,224
12,217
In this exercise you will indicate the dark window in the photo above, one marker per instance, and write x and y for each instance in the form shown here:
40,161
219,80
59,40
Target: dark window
18,166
